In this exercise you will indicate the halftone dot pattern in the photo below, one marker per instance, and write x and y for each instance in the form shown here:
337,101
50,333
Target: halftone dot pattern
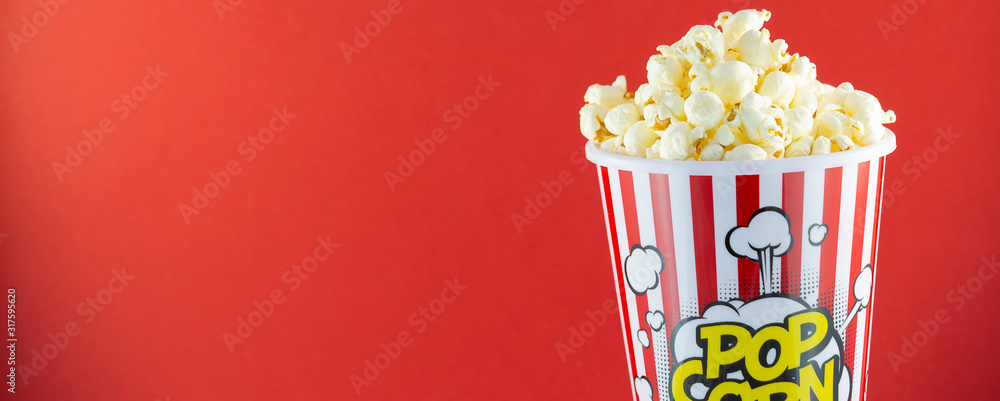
826,298
840,306
810,284
730,288
749,285
793,284
689,308
850,340
661,349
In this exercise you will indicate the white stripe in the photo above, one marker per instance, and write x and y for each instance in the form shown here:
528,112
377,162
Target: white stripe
812,213
871,303
770,195
866,252
727,270
654,297
623,246
842,294
680,212
614,265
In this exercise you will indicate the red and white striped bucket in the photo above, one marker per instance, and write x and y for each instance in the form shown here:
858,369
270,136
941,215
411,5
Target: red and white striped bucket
747,278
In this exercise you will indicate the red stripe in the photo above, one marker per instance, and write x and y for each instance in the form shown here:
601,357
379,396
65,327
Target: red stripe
748,202
659,186
871,304
791,198
860,203
612,228
641,301
703,218
828,251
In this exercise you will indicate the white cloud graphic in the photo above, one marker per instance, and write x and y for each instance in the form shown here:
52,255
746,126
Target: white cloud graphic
766,236
862,293
642,268
643,336
655,320
643,389
817,234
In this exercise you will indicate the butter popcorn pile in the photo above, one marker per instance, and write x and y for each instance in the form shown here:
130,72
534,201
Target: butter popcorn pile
730,93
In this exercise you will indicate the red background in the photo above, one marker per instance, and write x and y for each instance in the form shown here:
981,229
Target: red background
162,336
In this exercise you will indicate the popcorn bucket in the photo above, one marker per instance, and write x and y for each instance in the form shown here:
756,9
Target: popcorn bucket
745,278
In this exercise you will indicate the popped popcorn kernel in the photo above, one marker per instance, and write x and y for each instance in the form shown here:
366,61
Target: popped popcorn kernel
746,152
730,92
704,109
620,118
638,138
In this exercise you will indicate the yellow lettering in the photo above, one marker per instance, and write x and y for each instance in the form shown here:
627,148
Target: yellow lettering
804,343
786,357
716,357
764,393
809,382
687,369
741,389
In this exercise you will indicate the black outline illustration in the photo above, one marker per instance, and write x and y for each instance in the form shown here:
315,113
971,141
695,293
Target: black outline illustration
656,314
656,276
766,266
809,233
643,337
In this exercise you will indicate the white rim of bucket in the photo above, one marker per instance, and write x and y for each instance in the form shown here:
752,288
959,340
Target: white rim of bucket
743,167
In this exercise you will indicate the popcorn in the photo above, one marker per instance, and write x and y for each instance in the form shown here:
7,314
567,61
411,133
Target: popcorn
799,122
704,109
730,80
857,101
780,87
821,146
724,136
638,138
830,123
735,25
866,126
703,44
805,98
746,152
663,70
800,147
592,120
756,49
712,152
730,93
679,141
803,71
841,142
620,118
